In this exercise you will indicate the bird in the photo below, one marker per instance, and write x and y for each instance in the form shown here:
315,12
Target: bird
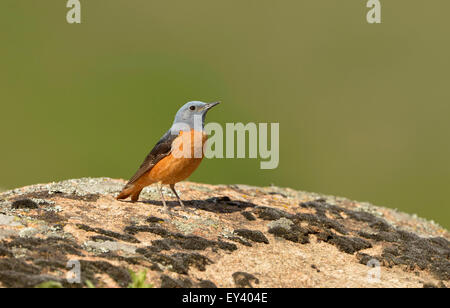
175,156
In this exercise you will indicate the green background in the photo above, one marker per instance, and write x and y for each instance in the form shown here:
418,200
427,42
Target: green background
363,109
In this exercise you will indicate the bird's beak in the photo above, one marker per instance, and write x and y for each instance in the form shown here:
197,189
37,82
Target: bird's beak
210,105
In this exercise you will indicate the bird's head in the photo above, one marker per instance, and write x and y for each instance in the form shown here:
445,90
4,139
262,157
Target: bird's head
192,116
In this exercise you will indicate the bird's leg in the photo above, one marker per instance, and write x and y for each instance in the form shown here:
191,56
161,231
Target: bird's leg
165,208
172,186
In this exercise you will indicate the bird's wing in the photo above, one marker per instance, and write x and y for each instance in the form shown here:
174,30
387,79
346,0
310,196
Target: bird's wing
159,151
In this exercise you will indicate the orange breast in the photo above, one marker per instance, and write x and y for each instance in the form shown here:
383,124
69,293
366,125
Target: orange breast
186,156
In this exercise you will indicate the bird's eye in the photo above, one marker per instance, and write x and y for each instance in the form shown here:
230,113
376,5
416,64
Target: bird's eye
192,107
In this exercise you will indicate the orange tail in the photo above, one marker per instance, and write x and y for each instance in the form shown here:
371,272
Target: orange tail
132,190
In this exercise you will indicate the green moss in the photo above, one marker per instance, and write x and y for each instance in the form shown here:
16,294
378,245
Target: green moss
138,280
49,285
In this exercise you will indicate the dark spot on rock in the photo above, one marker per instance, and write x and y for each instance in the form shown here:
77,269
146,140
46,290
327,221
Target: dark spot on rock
193,259
58,227
348,245
178,262
321,222
248,216
253,235
167,282
222,205
429,285
184,242
118,236
442,243
365,259
239,240
219,205
407,236
381,236
295,234
101,238
178,241
219,199
207,284
12,264
321,208
24,204
174,264
244,280
361,216
149,249
313,266
152,229
159,245
5,252
14,279
50,264
268,213
414,252
16,273
86,228
193,243
118,274
50,217
50,248
153,219
381,225
226,246
155,267
113,256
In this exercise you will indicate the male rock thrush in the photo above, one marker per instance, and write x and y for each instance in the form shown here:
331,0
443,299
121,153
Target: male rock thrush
176,155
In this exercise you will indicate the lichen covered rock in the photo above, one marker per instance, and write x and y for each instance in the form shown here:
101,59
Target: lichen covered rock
233,236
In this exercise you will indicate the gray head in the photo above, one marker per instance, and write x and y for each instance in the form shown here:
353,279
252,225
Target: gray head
191,116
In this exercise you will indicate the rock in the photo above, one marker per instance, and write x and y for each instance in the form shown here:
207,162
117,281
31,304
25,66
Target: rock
248,216
10,221
108,246
233,236
255,236
282,223
168,282
28,232
244,280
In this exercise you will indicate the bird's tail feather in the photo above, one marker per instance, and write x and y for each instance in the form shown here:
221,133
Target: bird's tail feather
130,190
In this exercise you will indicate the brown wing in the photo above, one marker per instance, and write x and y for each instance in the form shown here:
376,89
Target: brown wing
159,151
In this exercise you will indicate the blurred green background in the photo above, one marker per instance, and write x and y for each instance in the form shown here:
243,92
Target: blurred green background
363,109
